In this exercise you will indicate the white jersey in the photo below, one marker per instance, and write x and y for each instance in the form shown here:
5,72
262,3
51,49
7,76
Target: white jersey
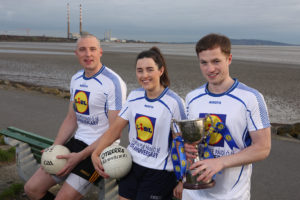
242,109
149,127
93,97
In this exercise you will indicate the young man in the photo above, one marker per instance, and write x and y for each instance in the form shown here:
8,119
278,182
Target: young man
97,95
245,137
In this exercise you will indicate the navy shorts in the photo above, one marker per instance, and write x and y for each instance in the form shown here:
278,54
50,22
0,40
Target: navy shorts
143,183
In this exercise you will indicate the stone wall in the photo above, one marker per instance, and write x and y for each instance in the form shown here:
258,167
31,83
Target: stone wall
288,130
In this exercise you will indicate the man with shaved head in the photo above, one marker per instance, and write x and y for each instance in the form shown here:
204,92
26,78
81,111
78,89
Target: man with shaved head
97,95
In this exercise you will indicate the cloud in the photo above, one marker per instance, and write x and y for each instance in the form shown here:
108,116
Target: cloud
155,20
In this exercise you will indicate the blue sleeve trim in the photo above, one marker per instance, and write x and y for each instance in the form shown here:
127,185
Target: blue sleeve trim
262,108
179,102
234,97
118,90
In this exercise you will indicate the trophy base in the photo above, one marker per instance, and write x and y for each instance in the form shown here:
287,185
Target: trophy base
197,186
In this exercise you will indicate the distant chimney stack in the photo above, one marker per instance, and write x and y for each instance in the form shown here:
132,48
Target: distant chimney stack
80,23
68,20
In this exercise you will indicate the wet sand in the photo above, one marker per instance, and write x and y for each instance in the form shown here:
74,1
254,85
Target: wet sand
274,178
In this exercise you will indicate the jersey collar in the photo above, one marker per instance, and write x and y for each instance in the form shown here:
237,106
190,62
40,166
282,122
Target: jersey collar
159,97
99,72
234,85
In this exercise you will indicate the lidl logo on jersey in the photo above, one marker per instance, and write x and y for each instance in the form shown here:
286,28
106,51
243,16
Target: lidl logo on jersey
145,128
216,139
81,99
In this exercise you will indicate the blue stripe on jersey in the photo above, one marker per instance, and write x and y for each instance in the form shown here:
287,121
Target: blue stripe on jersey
165,106
239,177
240,100
97,80
169,149
197,97
235,84
139,98
188,103
123,112
106,107
246,138
262,108
117,84
81,75
179,102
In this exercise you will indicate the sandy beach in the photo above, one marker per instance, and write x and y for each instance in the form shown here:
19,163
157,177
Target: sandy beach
274,178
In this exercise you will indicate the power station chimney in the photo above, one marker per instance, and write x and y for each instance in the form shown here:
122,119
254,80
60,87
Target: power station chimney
68,20
80,23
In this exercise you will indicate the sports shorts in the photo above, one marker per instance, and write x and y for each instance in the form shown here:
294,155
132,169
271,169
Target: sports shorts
143,183
84,174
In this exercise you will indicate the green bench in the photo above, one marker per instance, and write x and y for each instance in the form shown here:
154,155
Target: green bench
28,157
36,142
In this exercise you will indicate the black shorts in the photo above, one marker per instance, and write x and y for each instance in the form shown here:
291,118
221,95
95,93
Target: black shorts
143,183
85,168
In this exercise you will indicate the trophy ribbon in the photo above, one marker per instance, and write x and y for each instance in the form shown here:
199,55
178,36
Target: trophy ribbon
223,130
207,152
178,158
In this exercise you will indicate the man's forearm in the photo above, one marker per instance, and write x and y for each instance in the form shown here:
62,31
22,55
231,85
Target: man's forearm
67,128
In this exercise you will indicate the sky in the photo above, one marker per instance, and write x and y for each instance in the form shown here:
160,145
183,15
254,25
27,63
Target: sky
156,20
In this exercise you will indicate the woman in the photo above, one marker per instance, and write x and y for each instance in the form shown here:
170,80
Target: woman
148,111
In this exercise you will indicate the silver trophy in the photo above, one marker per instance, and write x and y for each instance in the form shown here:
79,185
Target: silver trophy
193,131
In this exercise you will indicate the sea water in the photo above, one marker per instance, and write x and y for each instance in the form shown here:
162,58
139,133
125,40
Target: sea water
259,53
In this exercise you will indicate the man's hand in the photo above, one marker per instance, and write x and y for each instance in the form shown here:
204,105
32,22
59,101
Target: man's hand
177,191
206,169
191,151
72,160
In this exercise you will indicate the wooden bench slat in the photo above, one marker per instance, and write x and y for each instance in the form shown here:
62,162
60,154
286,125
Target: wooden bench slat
23,138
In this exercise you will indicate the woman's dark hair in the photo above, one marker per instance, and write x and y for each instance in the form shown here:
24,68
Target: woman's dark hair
158,58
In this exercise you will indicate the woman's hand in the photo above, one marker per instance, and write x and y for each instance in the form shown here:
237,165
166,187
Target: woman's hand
98,165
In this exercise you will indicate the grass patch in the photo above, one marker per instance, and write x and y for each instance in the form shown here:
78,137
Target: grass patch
12,191
2,139
7,155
